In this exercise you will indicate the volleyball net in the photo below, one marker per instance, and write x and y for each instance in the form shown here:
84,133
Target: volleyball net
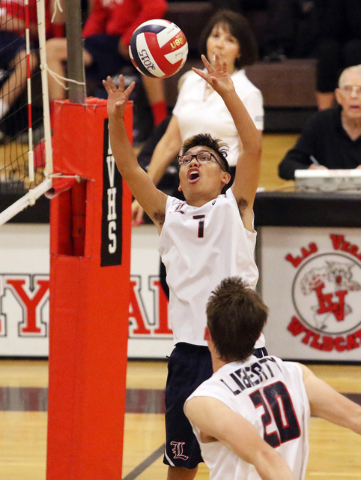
25,132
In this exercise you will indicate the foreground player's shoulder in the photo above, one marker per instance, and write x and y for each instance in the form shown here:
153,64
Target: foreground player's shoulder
175,205
239,201
210,393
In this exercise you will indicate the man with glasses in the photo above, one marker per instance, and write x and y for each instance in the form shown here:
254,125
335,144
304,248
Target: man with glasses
203,239
332,138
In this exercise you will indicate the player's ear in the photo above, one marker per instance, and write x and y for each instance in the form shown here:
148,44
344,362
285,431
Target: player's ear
226,178
207,334
180,187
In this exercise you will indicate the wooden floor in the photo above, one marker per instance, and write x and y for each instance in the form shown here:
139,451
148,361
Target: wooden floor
335,452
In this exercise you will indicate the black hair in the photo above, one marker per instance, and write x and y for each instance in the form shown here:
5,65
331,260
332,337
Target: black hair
206,140
236,316
240,28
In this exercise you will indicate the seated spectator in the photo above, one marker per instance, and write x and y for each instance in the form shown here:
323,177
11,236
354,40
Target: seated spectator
107,34
229,34
332,137
13,51
338,44
13,57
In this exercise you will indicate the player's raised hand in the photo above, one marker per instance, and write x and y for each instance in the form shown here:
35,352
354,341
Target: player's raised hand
117,96
217,75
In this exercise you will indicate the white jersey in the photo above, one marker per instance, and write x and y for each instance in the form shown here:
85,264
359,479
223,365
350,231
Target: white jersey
200,247
271,395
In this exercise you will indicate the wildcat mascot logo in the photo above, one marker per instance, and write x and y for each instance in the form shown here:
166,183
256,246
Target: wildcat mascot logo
326,295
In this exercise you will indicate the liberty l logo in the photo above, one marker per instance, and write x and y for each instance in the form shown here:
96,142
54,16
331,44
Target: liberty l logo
178,450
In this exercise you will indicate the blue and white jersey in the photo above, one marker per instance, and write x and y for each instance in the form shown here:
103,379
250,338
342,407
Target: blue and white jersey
271,395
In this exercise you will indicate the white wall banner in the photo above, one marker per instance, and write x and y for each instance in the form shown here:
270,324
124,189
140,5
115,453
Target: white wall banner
310,277
24,294
311,281
24,290
150,335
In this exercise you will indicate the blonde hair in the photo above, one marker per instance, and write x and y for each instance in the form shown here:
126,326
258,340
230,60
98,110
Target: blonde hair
353,69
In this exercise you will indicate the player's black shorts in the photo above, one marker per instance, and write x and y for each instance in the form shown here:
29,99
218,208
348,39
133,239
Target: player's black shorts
106,57
189,366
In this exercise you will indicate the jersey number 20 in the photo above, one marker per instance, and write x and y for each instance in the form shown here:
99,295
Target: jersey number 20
280,403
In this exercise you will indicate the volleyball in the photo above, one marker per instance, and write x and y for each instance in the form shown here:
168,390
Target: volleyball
158,48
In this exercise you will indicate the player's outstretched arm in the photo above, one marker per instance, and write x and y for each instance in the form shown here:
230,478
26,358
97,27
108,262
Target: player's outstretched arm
216,421
330,405
249,163
152,200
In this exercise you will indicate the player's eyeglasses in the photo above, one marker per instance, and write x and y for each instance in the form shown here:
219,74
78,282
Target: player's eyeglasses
349,89
202,157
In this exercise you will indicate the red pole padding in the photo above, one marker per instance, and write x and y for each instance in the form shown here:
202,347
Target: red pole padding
89,299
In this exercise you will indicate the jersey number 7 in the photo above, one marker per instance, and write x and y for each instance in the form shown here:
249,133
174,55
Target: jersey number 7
280,404
200,224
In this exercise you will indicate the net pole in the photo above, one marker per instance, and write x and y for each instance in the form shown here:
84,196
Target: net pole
73,21
86,408
40,6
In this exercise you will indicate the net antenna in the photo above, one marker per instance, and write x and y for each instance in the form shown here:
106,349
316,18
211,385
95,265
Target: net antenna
26,165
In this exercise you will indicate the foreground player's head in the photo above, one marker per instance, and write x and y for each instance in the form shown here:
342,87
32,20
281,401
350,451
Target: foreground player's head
205,139
203,167
236,316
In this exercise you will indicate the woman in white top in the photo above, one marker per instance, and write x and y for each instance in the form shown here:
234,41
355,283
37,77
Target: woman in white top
199,109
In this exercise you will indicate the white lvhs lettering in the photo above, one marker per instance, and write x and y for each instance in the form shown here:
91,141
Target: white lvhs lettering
112,211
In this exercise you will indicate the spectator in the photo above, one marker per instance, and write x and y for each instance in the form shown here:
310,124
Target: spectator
107,34
338,44
13,51
231,412
229,34
13,58
332,137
